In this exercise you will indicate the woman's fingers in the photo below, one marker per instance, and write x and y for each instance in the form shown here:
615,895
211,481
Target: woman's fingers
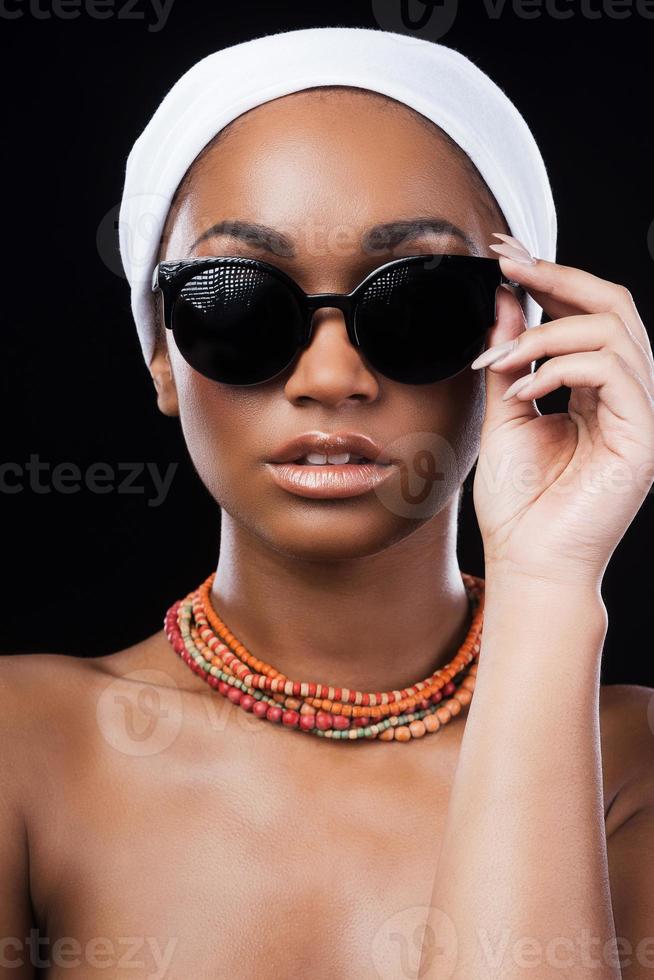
509,327
589,332
564,290
618,386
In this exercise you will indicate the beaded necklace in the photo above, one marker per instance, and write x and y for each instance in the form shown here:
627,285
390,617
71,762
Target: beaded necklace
201,638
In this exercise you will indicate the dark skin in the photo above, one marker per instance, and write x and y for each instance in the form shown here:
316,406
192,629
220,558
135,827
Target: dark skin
312,550
136,802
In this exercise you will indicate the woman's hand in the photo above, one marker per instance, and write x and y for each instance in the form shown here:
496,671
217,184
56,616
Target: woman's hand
554,494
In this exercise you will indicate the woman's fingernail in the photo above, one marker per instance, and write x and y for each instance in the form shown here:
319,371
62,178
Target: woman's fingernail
517,386
510,240
494,354
517,254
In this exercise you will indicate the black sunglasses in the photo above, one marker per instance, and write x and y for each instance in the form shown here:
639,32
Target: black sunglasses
417,320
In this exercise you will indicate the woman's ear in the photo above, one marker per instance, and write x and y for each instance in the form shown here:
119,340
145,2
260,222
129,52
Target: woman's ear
164,382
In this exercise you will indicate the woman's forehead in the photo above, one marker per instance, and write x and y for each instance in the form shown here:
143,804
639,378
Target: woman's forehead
325,155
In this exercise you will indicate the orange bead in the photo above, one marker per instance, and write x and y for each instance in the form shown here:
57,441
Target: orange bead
431,723
210,641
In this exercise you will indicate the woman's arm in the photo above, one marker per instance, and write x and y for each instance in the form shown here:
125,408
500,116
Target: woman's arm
522,874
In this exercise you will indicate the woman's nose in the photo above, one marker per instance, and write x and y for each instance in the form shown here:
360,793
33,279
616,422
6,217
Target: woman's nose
331,370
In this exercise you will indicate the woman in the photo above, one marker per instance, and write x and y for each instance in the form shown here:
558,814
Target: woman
172,815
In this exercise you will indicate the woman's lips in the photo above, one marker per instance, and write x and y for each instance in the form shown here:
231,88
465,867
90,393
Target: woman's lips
329,480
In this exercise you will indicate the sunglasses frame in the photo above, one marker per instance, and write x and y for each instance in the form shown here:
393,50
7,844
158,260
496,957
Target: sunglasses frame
170,277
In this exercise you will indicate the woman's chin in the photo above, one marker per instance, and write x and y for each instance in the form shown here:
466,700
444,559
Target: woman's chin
336,533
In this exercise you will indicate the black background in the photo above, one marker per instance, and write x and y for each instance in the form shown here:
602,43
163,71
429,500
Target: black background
87,573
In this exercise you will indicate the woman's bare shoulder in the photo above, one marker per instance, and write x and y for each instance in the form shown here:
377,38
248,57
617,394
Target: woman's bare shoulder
21,675
45,694
627,713
55,709
627,740
32,685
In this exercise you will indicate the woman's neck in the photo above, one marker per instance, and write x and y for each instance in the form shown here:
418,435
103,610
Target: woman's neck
376,623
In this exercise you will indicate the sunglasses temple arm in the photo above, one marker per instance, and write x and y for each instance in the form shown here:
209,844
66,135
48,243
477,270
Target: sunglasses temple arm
505,281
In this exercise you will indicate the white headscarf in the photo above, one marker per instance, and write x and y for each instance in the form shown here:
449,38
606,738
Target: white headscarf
432,78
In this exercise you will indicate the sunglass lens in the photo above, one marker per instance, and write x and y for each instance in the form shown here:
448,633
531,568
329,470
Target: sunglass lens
236,324
425,321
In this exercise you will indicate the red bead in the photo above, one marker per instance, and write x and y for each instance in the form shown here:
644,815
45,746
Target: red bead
193,615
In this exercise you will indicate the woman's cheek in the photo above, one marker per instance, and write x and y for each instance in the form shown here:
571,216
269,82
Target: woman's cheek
219,425
451,414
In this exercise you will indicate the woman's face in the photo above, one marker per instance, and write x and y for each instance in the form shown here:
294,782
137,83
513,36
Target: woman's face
322,168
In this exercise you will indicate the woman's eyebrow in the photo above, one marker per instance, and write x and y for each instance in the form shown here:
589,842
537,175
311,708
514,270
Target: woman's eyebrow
393,233
258,235
385,235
